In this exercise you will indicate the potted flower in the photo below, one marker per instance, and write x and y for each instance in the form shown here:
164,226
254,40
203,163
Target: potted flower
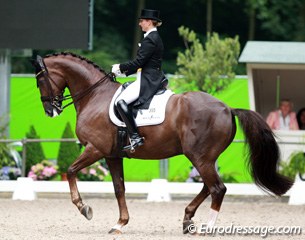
9,173
295,165
95,172
9,169
45,170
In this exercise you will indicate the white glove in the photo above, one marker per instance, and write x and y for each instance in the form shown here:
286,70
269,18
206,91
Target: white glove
116,70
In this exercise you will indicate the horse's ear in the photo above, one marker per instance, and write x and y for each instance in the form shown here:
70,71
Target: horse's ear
41,64
35,62
38,58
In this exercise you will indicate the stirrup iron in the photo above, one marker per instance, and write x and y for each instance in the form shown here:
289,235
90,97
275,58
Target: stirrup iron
134,143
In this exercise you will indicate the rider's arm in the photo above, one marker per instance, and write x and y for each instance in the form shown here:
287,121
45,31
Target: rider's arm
144,53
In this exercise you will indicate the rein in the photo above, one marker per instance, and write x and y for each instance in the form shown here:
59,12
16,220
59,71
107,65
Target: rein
80,95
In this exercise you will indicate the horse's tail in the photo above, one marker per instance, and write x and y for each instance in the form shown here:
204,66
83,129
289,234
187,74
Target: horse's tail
263,153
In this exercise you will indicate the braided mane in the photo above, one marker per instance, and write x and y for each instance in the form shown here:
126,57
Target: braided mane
79,57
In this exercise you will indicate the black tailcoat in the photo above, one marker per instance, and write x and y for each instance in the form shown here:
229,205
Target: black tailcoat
149,58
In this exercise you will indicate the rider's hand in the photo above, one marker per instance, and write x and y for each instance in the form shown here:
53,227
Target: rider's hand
116,70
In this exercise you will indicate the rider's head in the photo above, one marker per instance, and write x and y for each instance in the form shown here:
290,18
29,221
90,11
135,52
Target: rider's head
149,19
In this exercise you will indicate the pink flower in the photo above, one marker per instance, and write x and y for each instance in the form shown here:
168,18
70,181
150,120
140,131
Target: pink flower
32,175
33,168
43,171
49,171
92,172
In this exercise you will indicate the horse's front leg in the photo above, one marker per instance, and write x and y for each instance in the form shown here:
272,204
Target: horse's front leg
88,157
116,169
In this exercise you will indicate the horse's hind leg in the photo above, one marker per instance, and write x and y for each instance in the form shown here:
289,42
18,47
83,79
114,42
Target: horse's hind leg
212,185
116,169
192,207
217,190
88,157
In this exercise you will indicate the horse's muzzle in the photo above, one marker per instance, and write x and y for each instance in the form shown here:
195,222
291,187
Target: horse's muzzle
52,111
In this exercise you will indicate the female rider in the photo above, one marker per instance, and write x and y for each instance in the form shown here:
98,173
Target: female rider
148,61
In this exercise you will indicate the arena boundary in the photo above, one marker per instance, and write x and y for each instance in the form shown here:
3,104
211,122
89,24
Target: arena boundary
157,190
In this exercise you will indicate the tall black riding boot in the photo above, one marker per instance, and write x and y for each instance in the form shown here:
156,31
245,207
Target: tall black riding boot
135,139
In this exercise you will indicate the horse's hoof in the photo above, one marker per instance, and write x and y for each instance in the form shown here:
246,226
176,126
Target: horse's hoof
114,231
188,227
87,212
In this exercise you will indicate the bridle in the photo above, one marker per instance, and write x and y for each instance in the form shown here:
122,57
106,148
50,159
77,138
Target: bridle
52,98
56,100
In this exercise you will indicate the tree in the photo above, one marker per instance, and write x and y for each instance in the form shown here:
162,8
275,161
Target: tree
284,20
208,68
68,151
252,7
34,151
209,15
137,32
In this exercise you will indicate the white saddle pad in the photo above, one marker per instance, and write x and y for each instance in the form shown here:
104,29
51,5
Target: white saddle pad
145,117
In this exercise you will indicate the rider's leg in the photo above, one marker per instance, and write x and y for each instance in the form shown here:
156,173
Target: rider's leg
130,94
135,139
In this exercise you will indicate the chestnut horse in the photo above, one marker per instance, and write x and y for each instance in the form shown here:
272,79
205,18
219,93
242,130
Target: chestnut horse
196,125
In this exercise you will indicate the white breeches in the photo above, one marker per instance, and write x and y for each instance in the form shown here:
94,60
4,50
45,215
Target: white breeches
131,93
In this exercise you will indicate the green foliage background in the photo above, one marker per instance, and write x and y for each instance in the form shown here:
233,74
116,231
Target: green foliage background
116,22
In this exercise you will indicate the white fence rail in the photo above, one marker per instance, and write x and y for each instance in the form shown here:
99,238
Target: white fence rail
157,190
131,187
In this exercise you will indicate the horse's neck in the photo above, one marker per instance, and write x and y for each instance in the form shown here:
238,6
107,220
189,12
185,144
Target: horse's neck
83,79
89,88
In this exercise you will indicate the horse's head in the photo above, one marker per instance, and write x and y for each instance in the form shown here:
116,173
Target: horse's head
51,86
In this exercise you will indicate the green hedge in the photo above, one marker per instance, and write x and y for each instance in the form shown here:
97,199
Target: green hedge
34,151
68,151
